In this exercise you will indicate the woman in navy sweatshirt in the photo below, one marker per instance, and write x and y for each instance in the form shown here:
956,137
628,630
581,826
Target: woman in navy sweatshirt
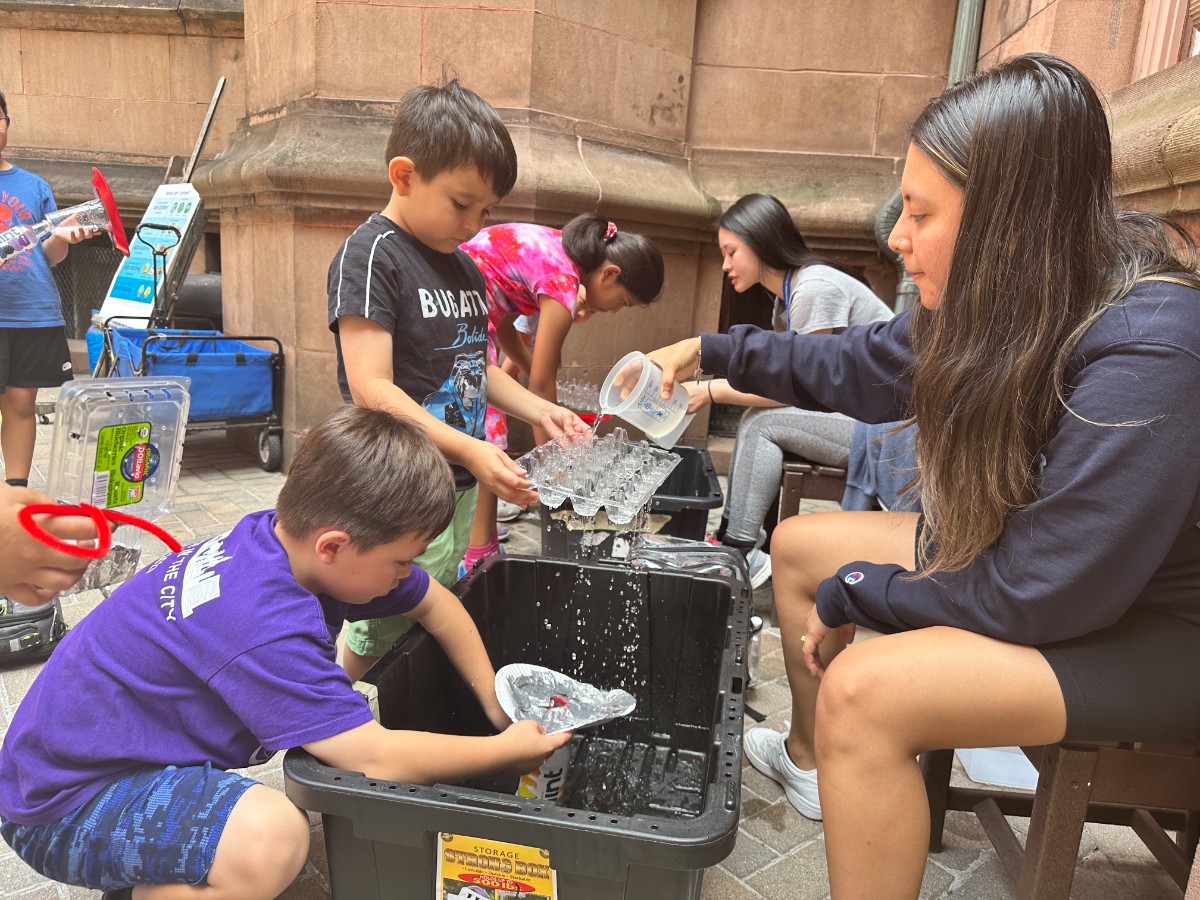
1052,588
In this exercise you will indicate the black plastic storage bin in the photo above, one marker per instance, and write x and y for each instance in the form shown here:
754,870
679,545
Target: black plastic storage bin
645,830
690,491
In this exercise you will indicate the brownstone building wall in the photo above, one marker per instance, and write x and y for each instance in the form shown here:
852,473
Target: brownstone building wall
656,114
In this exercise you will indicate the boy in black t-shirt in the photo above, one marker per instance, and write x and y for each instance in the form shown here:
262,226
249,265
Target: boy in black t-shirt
409,315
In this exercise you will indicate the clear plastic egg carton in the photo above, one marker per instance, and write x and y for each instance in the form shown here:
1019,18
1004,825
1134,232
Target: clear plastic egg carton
611,472
579,395
118,444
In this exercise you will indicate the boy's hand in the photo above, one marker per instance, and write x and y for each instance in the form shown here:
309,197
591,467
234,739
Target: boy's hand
30,572
560,420
499,474
527,745
72,232
76,233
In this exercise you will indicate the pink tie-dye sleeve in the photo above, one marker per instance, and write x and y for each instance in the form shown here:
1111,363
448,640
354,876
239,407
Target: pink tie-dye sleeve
551,270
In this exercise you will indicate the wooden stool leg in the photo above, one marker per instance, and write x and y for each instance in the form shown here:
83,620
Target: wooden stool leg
1059,811
936,766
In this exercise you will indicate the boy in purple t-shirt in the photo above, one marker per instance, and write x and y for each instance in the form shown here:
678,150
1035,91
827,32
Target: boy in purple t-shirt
112,774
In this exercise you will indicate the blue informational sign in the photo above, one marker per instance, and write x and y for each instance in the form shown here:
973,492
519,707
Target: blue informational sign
132,290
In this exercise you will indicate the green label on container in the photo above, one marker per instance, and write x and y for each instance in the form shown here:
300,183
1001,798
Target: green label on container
125,458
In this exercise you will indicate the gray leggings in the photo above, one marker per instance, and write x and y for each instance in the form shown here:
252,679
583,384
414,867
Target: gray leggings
756,467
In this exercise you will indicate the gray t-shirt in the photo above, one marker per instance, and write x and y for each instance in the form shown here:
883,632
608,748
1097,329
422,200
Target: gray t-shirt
822,297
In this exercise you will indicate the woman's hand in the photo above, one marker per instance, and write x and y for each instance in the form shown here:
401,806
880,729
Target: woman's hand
698,395
815,633
678,361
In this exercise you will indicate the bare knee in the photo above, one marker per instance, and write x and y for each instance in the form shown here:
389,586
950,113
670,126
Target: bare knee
793,551
853,705
264,845
19,402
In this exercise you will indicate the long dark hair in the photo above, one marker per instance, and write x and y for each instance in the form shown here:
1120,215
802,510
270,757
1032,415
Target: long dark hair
1041,253
585,241
764,225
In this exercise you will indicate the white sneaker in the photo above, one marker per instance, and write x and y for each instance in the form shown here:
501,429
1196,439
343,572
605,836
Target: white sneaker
506,512
767,752
760,567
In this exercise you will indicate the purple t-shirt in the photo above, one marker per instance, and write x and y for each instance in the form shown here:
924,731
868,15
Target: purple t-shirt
213,654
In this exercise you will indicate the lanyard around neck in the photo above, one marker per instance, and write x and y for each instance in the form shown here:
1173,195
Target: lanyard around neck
787,299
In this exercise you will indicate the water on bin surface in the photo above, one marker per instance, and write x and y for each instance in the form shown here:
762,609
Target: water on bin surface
611,472
625,778
620,776
607,627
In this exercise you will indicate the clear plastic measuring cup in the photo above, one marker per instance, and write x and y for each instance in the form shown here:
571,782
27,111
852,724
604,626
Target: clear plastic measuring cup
640,402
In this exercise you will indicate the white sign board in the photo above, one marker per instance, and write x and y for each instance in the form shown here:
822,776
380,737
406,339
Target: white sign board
132,290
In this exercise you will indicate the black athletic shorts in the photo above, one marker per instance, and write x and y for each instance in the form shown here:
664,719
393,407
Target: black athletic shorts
34,357
1138,680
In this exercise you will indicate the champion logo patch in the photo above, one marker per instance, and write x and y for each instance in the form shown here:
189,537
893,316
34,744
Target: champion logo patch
853,578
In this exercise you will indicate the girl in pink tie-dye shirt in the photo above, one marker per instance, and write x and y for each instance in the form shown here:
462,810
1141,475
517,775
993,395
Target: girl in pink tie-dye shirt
556,278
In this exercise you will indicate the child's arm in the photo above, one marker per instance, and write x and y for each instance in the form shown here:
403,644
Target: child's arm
508,395
516,352
421,757
553,326
441,613
367,353
56,246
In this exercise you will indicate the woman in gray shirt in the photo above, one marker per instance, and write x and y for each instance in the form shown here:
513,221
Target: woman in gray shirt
760,244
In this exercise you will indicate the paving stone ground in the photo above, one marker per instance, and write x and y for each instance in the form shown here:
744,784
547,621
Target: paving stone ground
779,855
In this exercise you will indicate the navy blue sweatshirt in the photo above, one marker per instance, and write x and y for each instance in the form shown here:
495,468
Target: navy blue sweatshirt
1116,520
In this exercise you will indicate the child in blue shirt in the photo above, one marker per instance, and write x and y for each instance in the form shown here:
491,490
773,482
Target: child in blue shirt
33,337
112,773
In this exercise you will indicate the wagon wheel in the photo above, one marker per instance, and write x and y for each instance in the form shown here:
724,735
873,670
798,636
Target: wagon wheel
270,450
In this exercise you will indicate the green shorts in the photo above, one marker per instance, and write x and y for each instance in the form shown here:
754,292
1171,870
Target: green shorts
374,637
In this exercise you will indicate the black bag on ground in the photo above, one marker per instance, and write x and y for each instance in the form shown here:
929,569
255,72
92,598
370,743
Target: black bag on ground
29,632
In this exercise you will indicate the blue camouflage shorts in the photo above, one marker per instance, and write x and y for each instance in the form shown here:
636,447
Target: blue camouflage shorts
149,826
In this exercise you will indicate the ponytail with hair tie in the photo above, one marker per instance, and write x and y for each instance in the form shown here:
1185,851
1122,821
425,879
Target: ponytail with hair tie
590,242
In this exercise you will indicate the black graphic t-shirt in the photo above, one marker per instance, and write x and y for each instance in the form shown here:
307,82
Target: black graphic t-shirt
434,306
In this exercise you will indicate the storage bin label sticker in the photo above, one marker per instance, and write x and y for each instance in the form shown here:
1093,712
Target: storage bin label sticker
471,868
